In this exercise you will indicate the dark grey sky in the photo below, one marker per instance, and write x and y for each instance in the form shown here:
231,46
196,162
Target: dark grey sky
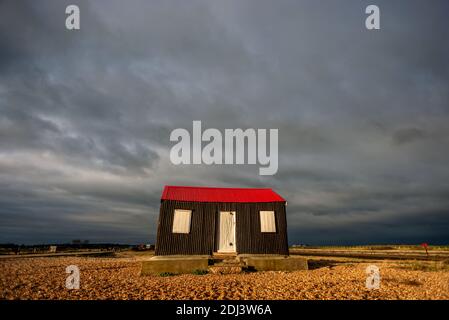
363,116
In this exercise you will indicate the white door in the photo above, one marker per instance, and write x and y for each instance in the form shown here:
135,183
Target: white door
226,232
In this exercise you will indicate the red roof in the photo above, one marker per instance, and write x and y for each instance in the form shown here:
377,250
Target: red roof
208,194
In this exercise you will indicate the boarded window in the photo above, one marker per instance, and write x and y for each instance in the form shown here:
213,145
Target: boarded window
181,221
267,221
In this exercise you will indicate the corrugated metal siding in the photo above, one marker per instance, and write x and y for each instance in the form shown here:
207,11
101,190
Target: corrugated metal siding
204,224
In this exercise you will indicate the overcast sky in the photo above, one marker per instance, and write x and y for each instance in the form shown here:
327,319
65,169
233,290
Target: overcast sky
363,116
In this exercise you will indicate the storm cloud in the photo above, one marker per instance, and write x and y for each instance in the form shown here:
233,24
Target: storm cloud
86,115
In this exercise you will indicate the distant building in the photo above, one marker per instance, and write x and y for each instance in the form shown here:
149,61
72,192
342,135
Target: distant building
79,241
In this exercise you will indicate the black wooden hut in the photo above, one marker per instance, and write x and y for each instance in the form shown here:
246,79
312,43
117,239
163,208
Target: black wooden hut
204,221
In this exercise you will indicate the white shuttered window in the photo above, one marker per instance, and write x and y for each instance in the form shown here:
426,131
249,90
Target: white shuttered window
267,221
181,221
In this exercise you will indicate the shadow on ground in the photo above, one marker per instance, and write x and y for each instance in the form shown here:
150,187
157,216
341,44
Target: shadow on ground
322,263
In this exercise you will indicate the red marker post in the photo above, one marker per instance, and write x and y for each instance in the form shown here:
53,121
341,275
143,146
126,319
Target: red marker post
425,245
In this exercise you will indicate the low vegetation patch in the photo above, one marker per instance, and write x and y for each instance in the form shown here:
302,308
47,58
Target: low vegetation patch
199,272
166,274
413,283
425,265
107,254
